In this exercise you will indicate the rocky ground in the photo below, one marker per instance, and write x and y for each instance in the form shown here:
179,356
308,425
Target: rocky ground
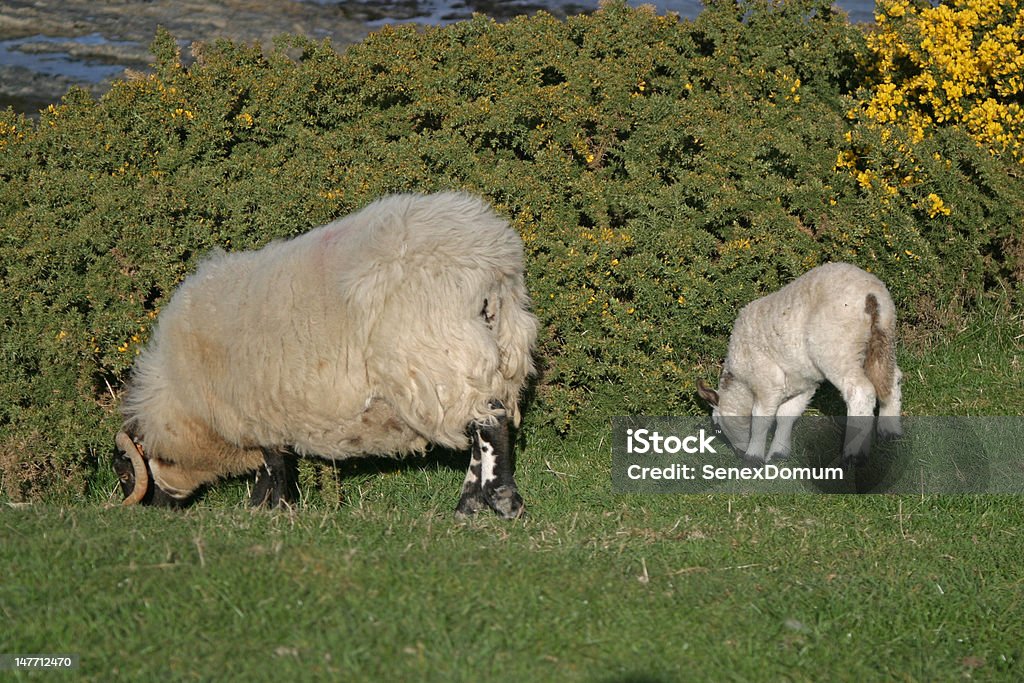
46,46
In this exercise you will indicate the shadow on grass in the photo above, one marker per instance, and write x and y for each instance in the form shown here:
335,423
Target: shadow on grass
433,459
326,480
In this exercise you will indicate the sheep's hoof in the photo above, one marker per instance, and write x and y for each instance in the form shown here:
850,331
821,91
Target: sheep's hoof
780,455
506,502
754,460
469,504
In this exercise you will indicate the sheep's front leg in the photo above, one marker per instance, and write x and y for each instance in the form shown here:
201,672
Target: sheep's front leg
472,499
276,480
489,481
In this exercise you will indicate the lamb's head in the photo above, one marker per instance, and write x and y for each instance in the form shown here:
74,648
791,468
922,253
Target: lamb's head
731,407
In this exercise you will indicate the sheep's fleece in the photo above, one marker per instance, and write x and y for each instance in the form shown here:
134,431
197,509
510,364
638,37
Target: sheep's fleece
378,333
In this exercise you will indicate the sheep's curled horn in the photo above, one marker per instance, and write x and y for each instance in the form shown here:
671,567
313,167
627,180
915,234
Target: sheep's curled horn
131,449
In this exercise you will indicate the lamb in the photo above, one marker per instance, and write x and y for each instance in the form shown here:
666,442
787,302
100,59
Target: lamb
403,325
837,323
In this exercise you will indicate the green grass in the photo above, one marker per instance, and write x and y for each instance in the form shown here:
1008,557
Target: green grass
372,579
590,587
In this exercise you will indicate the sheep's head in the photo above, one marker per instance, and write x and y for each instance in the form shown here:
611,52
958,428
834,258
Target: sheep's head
731,407
134,471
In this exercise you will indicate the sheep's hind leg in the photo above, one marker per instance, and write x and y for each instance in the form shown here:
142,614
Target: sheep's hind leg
276,480
489,480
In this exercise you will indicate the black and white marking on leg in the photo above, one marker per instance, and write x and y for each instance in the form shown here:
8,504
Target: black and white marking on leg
472,499
489,481
487,460
497,481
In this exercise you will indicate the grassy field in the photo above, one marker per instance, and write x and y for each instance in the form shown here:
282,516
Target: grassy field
382,584
589,588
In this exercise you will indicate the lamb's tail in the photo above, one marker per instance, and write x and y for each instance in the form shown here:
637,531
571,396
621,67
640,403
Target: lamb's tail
880,359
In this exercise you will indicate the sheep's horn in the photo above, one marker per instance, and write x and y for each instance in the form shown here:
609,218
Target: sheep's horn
128,445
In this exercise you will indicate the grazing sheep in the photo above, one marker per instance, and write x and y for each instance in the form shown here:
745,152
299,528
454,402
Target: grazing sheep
836,323
402,325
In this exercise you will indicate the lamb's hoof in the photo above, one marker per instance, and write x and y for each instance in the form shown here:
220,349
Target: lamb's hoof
469,504
889,428
506,502
776,457
754,460
853,460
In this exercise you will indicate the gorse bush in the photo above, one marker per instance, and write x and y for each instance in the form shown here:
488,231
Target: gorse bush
662,174
936,78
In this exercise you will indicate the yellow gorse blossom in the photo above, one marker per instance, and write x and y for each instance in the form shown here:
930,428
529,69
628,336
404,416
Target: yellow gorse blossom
959,63
937,206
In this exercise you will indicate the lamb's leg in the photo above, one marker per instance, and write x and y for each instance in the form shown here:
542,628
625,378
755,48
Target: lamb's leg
489,480
761,419
859,394
889,426
276,480
785,418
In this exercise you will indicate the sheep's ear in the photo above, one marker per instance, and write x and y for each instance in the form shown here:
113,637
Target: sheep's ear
707,393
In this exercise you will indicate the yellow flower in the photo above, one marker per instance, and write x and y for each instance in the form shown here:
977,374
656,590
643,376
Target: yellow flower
956,64
937,206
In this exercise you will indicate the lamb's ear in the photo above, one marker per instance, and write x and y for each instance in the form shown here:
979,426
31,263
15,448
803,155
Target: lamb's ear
707,393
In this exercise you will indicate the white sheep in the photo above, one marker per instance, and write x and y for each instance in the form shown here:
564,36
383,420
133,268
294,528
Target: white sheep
837,323
402,325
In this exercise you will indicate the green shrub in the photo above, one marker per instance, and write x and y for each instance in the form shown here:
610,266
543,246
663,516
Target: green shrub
661,173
